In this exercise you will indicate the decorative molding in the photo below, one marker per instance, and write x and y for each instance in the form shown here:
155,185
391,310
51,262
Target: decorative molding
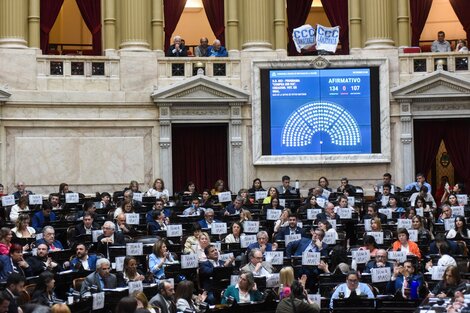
199,112
406,141
405,119
319,62
405,107
165,145
237,143
441,106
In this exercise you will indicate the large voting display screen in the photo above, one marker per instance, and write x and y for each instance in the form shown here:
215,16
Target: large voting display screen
320,111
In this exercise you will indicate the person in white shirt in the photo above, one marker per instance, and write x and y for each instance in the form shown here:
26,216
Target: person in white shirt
19,208
158,190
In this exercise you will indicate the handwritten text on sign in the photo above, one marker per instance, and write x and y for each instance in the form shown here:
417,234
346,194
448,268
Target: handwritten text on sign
132,218
8,200
310,258
135,286
175,230
275,257
382,274
361,256
251,227
35,199
136,248
189,261
218,228
273,214
225,196
71,197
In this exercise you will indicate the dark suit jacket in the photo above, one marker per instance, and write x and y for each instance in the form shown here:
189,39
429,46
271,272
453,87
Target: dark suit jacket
203,223
93,280
296,248
56,244
39,220
281,235
182,53
372,264
269,247
160,303
291,190
13,306
6,268
322,216
80,228
397,285
454,248
206,270
231,209
102,248
37,266
76,265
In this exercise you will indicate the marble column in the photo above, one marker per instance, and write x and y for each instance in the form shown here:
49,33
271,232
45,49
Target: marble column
34,24
232,30
236,147
280,33
109,25
157,25
256,25
378,24
403,21
406,139
13,23
355,24
166,158
135,25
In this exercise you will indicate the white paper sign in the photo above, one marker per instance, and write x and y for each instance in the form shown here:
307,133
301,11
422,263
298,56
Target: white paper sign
330,238
189,261
325,194
245,241
95,234
174,230
420,212
135,248
438,272
404,223
261,195
458,210
382,274
135,286
315,298
385,200
98,301
361,256
367,225
39,236
132,218
300,224
399,256
327,38
304,37
226,256
119,260
449,223
273,214
8,200
218,228
333,223
275,257
378,236
321,202
282,202
344,213
71,197
387,212
462,200
310,258
137,196
225,196
272,281
233,279
35,199
351,201
312,214
251,227
289,238
413,235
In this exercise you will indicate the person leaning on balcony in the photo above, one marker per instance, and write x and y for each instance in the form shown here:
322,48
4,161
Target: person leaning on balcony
217,50
441,44
177,49
461,46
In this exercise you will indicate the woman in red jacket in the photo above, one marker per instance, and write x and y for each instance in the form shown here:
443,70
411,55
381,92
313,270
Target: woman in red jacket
404,244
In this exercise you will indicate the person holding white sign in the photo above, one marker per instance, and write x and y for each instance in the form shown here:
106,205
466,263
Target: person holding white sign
296,248
381,260
328,229
370,244
126,207
256,265
282,221
460,230
291,229
100,279
129,195
206,223
159,257
123,227
450,283
395,206
286,188
405,244
17,209
256,186
129,272
310,204
351,288
235,207
219,187
372,212
329,214
273,205
21,191
158,190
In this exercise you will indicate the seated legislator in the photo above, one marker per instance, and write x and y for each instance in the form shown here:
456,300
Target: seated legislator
416,186
235,234
42,262
217,50
297,301
423,192
14,262
159,205
262,243
177,49
329,214
381,260
13,288
235,207
460,230
291,229
48,237
164,300
159,257
43,217
158,190
123,227
87,226
450,283
315,244
100,279
405,244
193,240
109,238
256,265
43,293
17,209
372,212
195,209
446,214
206,223
351,288
129,272
311,203
424,235
286,188
21,191
158,223
82,260
402,277
22,228
245,291
206,270
256,186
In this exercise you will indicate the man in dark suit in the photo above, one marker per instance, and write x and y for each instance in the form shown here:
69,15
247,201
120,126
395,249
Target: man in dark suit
208,219
372,212
21,191
262,243
109,238
43,217
164,299
291,229
48,237
328,214
381,260
286,188
235,207
87,226
15,284
14,263
42,262
206,270
83,261
100,279
404,274
296,248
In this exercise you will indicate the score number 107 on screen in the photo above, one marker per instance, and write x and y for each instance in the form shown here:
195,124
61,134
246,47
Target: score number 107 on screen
345,88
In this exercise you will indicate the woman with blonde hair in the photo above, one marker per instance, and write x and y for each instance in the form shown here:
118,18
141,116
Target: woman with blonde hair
60,308
143,302
159,257
158,190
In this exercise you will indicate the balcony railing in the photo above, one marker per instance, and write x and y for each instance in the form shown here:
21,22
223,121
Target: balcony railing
78,66
416,63
187,67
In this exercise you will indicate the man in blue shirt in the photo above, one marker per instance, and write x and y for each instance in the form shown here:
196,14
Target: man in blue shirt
217,50
43,217
351,288
416,186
